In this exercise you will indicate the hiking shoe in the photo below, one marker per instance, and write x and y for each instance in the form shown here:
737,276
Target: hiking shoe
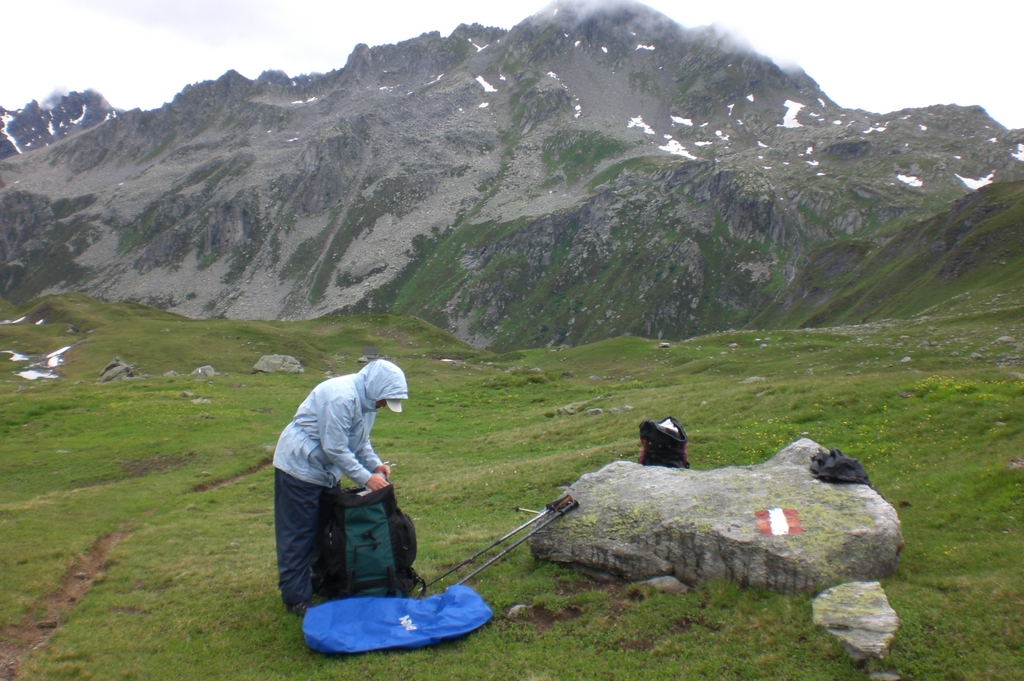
300,608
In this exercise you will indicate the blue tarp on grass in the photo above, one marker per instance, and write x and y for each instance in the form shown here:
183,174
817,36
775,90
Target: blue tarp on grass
361,624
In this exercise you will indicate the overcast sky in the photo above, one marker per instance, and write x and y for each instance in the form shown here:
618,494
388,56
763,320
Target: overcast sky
880,56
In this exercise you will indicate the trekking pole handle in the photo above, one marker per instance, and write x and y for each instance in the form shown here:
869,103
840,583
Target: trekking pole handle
560,503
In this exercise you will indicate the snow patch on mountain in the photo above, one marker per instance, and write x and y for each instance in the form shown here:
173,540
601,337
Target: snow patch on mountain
638,122
973,184
792,109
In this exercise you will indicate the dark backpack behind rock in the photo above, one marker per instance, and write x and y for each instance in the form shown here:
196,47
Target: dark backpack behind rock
834,466
663,443
367,547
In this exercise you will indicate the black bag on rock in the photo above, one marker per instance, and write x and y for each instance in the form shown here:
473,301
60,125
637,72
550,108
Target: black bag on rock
367,547
834,466
663,443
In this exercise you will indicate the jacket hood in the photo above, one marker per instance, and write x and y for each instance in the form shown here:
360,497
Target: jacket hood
383,380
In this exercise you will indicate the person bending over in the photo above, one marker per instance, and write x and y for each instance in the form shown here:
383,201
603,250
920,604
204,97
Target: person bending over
328,438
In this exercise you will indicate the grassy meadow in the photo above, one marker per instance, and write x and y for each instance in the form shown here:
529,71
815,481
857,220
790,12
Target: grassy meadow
181,491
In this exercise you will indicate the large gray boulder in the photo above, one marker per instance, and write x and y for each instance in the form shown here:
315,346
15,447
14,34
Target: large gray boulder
286,364
773,525
858,614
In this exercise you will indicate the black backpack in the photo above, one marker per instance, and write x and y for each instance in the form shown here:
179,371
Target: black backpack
834,466
367,547
663,443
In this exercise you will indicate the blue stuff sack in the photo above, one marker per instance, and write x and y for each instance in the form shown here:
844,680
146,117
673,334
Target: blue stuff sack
361,624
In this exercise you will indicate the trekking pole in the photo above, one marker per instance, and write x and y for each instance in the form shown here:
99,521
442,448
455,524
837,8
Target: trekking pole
566,505
531,521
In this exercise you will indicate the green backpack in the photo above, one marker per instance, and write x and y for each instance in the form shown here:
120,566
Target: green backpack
367,547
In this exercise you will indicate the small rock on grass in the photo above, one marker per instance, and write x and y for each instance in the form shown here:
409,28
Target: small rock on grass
286,364
117,370
666,583
204,371
858,614
518,610
884,676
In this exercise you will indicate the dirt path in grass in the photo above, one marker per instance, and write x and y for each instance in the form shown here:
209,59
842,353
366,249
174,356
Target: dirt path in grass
19,640
217,484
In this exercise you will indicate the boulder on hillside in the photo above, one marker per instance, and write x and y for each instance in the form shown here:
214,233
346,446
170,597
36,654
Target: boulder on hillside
205,371
117,370
286,364
772,525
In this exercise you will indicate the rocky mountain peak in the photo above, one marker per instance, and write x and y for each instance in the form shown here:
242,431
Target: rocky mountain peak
39,125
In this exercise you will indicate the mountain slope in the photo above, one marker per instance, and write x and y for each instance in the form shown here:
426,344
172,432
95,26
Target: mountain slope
588,173
975,247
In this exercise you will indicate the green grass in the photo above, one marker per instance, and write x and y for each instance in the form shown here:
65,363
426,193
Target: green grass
190,592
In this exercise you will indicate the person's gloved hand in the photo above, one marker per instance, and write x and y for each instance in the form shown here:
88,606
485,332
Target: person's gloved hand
377,482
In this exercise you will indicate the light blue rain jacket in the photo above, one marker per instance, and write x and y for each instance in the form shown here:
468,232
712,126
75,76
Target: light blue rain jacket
330,434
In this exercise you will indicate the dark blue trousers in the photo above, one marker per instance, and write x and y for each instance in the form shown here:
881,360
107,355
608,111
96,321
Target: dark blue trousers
300,513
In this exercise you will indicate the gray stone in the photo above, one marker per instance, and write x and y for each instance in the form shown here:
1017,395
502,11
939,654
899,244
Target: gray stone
170,374
771,525
201,400
753,379
620,409
518,610
204,371
663,346
884,676
666,583
1006,340
859,615
596,575
593,411
285,364
574,407
117,370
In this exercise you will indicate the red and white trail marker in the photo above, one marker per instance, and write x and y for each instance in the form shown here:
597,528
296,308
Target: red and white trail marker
778,521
